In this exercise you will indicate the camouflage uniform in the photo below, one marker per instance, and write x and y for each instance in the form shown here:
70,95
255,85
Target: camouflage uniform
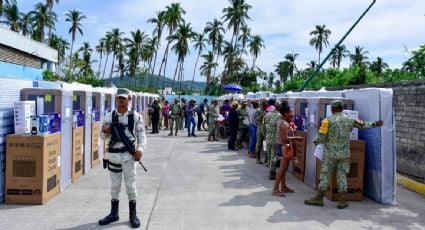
212,120
334,133
270,121
259,117
175,114
182,116
243,132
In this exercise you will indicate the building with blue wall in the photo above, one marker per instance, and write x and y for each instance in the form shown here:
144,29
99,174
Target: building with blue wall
22,57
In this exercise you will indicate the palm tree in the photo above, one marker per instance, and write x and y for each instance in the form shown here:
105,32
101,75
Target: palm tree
116,41
75,17
159,21
86,69
101,49
245,37
312,65
41,18
320,38
182,37
85,49
25,24
12,16
339,53
378,66
61,45
255,46
108,50
286,69
231,59
199,45
1,6
208,65
120,55
50,4
214,30
236,16
136,44
359,57
173,17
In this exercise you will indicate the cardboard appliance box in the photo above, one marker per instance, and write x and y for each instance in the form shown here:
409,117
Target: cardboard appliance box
23,110
95,132
298,169
354,177
32,168
77,153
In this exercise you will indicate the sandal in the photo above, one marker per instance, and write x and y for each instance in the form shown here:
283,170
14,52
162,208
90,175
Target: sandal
287,190
278,194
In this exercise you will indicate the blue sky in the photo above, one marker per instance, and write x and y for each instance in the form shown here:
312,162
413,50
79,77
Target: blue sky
391,27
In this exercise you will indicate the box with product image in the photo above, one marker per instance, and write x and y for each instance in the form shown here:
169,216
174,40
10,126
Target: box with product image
32,168
54,122
354,177
95,116
23,110
353,114
39,125
77,153
78,118
95,132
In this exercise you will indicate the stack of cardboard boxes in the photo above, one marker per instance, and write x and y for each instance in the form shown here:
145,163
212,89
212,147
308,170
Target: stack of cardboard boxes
77,153
33,168
298,169
354,177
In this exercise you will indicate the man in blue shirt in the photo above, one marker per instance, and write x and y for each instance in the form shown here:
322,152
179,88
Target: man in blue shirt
200,113
190,119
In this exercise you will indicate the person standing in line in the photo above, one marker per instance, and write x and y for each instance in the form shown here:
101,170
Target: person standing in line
175,116
183,115
261,130
155,117
233,125
212,120
334,134
270,120
200,112
285,140
122,163
252,129
190,117
165,112
243,132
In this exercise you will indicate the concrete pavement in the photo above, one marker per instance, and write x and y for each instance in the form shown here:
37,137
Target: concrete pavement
199,185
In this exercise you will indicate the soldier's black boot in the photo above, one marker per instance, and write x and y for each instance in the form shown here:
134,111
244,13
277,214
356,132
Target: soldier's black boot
134,221
113,216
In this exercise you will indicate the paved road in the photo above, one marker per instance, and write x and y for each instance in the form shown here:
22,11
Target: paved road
199,185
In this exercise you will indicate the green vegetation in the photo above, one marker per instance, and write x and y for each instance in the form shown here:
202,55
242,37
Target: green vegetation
131,59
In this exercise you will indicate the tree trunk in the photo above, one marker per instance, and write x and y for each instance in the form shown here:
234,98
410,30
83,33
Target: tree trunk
100,64
253,62
216,61
70,56
104,68
194,70
175,74
165,67
319,59
162,63
112,69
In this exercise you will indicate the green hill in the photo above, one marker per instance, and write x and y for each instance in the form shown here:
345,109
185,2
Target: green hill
127,82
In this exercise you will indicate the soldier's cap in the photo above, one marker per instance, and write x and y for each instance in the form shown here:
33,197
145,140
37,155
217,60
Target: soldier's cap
193,99
123,92
214,100
337,104
205,99
244,102
234,103
176,99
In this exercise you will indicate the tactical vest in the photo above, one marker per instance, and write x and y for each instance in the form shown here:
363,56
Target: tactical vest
114,139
